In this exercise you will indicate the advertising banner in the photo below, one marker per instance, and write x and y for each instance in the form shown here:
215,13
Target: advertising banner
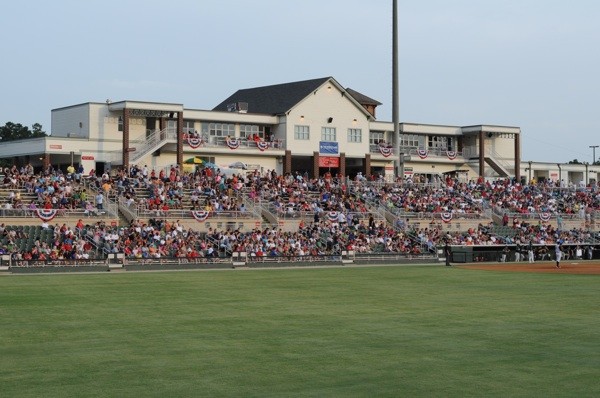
329,147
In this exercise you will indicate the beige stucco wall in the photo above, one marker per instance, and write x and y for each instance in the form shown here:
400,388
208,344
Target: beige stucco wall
316,109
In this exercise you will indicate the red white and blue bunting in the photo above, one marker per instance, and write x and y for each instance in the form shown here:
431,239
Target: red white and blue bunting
200,215
332,216
422,153
451,155
385,151
545,217
194,142
446,217
233,143
46,214
262,145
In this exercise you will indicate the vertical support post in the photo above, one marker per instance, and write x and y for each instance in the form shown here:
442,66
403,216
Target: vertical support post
481,154
401,169
315,164
180,140
518,157
46,161
126,140
287,162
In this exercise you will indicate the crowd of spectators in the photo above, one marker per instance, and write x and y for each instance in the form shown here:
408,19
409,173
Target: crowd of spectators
211,189
48,189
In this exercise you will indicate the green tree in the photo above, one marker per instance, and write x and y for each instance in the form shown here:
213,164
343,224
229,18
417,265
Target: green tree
575,161
16,131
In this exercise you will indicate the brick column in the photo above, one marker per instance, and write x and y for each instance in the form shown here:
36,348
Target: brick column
46,161
315,164
343,164
367,170
287,162
180,139
481,154
126,140
518,157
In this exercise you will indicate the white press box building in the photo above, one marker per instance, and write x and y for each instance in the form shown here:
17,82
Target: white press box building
312,126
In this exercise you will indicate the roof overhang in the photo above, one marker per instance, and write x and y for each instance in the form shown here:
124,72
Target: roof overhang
490,129
145,108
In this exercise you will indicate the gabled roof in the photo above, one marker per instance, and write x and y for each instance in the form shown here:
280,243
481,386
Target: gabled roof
361,98
273,100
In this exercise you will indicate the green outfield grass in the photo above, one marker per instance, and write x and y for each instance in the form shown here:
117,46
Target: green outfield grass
380,331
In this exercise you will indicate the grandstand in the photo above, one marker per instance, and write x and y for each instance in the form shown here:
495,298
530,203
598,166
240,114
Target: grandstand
294,172
208,219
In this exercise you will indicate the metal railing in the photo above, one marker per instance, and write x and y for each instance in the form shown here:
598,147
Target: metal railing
500,212
499,159
110,205
136,211
439,152
145,144
41,213
398,212
218,141
289,213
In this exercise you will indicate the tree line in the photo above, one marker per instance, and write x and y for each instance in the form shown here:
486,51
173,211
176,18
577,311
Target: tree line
16,131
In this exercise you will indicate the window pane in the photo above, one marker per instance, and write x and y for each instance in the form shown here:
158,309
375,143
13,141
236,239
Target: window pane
301,132
328,134
354,135
376,137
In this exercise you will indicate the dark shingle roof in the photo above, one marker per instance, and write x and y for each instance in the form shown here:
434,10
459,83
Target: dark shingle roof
361,98
273,100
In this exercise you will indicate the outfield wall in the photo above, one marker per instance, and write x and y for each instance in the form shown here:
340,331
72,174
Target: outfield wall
474,254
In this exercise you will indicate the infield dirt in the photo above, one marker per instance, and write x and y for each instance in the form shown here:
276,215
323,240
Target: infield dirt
566,267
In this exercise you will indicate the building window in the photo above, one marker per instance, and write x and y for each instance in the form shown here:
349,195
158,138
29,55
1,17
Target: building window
301,132
120,123
188,126
440,142
250,130
328,134
354,135
376,137
409,140
221,130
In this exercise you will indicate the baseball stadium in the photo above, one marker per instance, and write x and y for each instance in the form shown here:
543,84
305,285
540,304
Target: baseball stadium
267,247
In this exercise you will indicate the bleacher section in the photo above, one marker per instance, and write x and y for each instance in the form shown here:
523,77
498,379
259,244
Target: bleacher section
287,216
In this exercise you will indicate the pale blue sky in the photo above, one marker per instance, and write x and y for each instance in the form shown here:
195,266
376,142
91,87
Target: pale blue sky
527,63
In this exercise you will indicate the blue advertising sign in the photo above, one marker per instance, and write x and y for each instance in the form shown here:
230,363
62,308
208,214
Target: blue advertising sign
328,147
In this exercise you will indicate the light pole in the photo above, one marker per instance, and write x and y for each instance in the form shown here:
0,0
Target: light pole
594,153
395,100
